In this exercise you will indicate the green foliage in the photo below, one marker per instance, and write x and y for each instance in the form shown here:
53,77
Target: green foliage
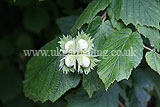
19,101
10,81
44,81
153,60
91,83
116,65
99,31
117,34
140,94
20,2
152,34
36,19
90,12
100,99
143,12
66,23
125,33
6,46
116,24
144,84
24,42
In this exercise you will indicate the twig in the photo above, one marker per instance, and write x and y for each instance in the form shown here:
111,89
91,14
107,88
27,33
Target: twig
104,16
147,48
121,104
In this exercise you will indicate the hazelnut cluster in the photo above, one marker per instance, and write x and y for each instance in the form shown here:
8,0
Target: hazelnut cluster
77,53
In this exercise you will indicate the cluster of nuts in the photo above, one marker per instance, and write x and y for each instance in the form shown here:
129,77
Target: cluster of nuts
77,53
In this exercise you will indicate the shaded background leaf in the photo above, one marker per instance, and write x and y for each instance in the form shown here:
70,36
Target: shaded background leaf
99,31
89,13
91,82
36,19
66,23
10,81
100,99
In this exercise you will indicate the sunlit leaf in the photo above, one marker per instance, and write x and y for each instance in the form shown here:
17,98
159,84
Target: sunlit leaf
122,52
143,12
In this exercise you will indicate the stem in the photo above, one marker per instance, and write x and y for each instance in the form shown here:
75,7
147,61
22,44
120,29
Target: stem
104,16
147,48
121,104
157,91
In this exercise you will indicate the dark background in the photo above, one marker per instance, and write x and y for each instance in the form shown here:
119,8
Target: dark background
29,24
